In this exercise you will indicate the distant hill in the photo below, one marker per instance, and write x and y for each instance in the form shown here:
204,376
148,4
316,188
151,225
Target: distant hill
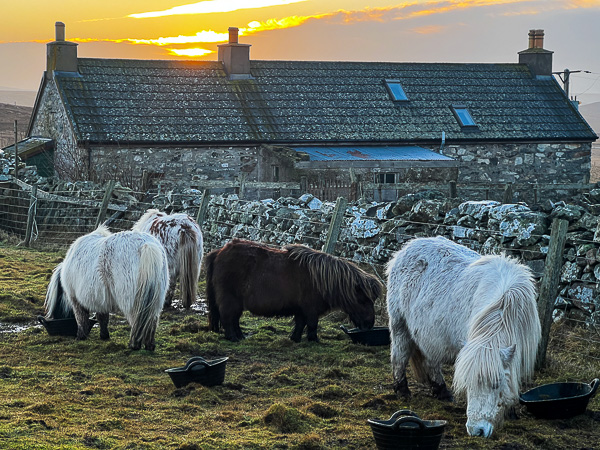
17,97
8,114
591,113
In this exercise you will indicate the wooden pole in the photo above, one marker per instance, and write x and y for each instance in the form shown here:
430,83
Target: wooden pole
508,194
145,181
31,215
453,193
16,149
549,284
335,225
203,206
303,185
104,206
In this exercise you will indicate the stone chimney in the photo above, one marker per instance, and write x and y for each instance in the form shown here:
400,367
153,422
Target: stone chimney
235,57
61,55
538,59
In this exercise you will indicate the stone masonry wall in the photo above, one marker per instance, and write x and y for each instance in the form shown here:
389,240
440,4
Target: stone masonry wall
51,121
547,163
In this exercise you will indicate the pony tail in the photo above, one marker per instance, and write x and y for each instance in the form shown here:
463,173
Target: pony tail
214,317
153,280
189,268
55,296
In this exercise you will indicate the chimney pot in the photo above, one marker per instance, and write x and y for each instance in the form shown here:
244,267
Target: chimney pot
60,31
61,55
235,57
233,35
538,59
536,38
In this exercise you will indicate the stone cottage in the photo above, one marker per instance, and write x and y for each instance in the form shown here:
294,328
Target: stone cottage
327,123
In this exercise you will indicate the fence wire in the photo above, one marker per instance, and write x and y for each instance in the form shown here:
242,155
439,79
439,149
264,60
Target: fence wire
60,217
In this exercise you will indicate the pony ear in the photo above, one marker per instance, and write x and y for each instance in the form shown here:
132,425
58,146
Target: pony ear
507,354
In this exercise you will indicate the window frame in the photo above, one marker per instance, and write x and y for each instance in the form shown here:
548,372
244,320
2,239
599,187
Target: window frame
465,127
388,82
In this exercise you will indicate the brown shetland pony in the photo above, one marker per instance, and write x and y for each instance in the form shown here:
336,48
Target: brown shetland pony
294,281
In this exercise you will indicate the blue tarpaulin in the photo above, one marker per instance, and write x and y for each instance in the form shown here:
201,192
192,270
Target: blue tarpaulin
400,153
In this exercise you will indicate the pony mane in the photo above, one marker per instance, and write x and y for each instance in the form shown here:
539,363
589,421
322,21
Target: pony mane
146,217
509,318
335,278
102,230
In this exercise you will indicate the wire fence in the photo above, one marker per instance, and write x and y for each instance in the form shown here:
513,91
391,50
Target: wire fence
368,235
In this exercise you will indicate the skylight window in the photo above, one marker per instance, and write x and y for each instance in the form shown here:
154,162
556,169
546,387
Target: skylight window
463,116
395,89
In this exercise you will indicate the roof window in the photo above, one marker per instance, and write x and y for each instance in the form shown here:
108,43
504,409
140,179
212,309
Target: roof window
463,116
395,90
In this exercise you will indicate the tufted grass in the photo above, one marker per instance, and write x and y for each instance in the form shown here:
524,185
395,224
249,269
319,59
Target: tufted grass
56,392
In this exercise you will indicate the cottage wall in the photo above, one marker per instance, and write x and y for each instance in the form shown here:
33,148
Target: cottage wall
51,121
542,163
174,165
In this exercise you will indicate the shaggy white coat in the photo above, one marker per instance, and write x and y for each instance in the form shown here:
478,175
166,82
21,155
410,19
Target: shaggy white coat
181,237
445,303
106,273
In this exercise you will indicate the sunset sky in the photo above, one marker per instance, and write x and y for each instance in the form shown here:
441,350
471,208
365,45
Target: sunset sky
359,30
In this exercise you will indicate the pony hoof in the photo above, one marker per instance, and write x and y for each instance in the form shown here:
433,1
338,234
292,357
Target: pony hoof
441,392
401,388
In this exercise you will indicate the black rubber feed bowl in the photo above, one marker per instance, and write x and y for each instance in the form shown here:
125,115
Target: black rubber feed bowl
374,336
559,400
61,327
405,430
199,370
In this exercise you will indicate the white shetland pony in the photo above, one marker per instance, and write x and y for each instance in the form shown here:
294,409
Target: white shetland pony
104,273
181,237
445,303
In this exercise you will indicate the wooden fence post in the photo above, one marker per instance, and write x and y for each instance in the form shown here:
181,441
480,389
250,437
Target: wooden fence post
549,284
335,225
303,184
31,215
508,194
145,181
453,193
107,194
203,206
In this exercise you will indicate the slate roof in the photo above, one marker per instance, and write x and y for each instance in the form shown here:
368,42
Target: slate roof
117,100
28,146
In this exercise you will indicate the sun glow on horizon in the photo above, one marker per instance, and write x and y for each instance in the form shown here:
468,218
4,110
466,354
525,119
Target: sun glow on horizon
189,51
191,45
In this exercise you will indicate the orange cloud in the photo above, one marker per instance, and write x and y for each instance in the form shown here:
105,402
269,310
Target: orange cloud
402,11
199,37
430,29
213,6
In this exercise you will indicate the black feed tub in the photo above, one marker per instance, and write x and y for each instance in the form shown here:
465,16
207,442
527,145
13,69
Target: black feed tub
405,430
61,327
559,400
374,336
199,370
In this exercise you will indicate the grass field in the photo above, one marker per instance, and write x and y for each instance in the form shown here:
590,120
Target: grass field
56,392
